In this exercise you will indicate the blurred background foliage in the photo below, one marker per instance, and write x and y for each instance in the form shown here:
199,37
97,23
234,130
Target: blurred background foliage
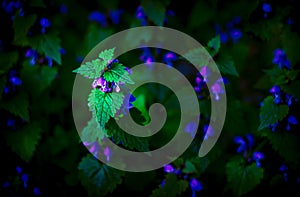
255,44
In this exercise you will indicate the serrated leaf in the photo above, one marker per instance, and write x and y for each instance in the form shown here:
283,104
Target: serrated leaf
106,105
88,69
122,138
18,105
172,187
280,76
292,88
37,79
189,167
21,26
99,179
196,165
286,144
215,44
226,66
155,11
7,60
107,54
243,177
271,113
95,35
117,73
48,44
198,57
92,132
24,141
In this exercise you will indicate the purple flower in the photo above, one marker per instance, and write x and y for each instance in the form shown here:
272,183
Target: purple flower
15,81
24,178
281,60
6,184
205,72
235,35
292,120
195,185
107,153
63,9
245,143
267,7
98,17
257,156
11,123
115,16
169,168
62,51
283,168
36,191
169,57
18,169
45,23
191,128
208,131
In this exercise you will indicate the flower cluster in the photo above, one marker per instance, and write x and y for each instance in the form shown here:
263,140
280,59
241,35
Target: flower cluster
194,183
13,82
35,58
281,59
231,31
102,19
44,23
19,183
266,9
10,7
201,84
245,148
168,58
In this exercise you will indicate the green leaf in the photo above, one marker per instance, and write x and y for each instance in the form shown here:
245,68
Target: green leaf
7,60
196,165
37,79
21,26
215,44
129,141
292,88
155,11
291,41
189,167
18,105
172,188
48,44
24,141
280,76
271,113
198,57
241,176
99,179
106,104
117,73
95,35
107,54
286,144
88,69
92,132
226,65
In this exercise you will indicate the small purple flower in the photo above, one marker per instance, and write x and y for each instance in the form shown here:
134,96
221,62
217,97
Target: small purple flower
235,35
208,131
283,168
6,184
98,17
11,123
169,168
191,128
63,9
267,7
36,191
169,57
243,146
45,23
24,178
205,72
15,81
19,169
281,60
115,16
62,51
257,156
223,37
107,153
50,61
195,185
292,120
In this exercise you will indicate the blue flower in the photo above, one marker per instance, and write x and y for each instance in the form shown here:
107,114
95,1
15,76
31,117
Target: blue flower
267,7
257,156
245,144
281,60
169,168
195,185
24,178
169,57
19,169
291,120
235,35
208,131
140,15
63,9
62,51
36,191
191,128
45,23
115,16
98,17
